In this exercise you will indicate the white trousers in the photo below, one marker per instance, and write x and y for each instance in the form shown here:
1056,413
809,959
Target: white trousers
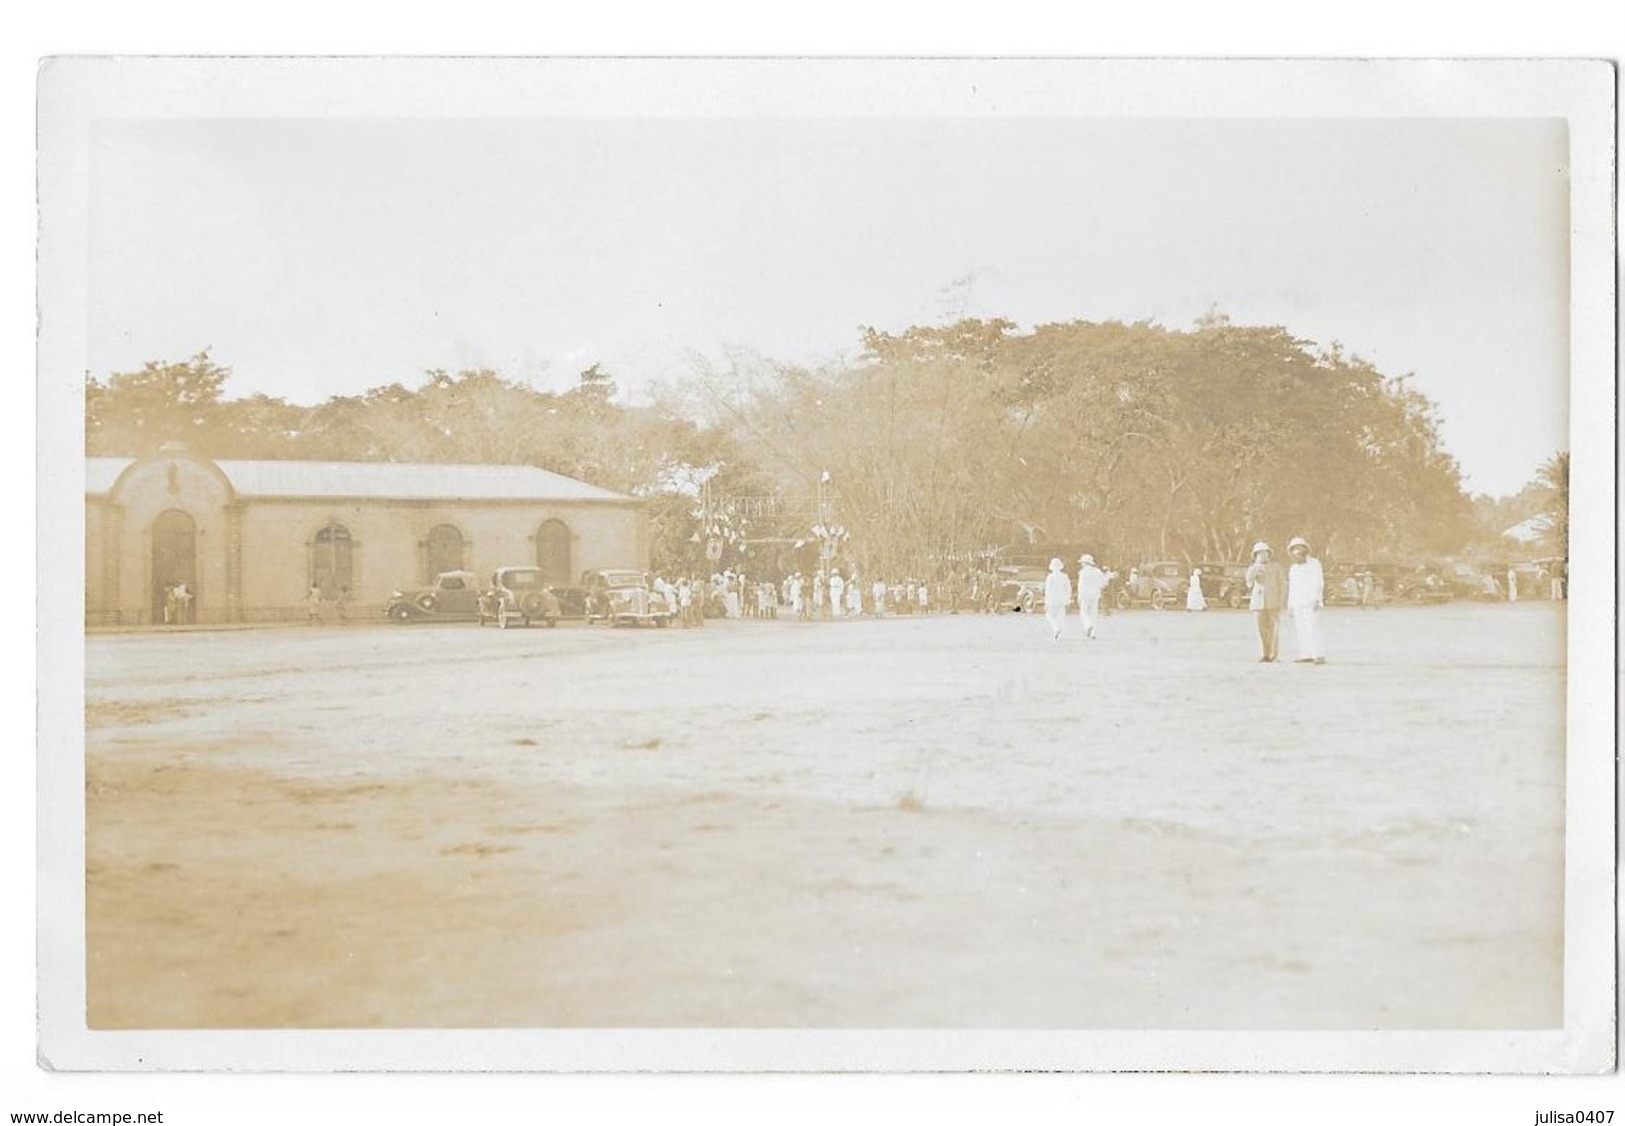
1089,613
1056,616
1306,620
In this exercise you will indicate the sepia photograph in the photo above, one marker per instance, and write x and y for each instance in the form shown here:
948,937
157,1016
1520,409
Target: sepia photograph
755,555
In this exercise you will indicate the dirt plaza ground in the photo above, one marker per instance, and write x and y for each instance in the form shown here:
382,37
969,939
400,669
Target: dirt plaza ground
921,822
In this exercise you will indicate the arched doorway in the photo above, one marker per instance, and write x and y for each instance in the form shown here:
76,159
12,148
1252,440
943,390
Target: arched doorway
174,568
330,561
443,551
553,552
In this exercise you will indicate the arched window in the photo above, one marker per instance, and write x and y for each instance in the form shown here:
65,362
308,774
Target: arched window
330,554
174,568
553,552
443,551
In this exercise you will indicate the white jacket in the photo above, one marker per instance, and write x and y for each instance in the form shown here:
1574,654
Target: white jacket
1305,585
1057,590
1091,581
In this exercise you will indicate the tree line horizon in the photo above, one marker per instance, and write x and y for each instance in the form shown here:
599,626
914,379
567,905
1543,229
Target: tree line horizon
933,445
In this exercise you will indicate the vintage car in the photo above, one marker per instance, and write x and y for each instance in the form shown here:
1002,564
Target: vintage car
574,601
518,594
1424,584
1019,589
455,596
1468,581
623,598
1224,584
1346,583
1160,585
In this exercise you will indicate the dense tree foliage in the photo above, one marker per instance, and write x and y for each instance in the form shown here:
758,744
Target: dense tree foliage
1148,442
1553,481
936,443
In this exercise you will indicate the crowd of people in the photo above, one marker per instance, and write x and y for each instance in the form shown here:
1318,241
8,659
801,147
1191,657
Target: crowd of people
822,595
177,604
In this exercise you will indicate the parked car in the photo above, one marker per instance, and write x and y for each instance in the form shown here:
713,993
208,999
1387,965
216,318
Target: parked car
518,594
623,598
1019,589
1345,583
575,602
1224,584
454,596
1424,584
1159,585
1468,581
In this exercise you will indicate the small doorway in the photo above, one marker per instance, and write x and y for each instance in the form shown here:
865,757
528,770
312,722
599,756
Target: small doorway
553,552
174,568
443,551
330,563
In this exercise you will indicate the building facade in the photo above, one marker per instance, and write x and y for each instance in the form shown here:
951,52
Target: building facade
248,541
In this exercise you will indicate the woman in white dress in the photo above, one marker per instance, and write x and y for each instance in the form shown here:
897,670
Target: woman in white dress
854,597
837,594
1194,599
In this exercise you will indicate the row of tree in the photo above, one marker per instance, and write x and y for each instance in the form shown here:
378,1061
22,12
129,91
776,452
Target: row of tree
934,444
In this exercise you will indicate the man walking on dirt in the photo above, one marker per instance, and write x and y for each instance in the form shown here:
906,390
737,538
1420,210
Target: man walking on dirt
1091,584
1057,593
1267,581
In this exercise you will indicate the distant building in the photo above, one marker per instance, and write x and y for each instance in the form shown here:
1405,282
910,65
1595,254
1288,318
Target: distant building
249,540
1529,531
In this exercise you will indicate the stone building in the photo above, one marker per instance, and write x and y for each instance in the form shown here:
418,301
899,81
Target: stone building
245,541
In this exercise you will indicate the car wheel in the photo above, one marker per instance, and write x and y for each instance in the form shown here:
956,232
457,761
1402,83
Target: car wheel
552,622
401,614
1122,600
1159,600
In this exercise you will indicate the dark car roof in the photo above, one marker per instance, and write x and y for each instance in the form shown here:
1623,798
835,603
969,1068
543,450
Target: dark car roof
621,576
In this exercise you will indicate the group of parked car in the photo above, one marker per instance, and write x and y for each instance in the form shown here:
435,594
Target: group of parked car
1165,584
523,596
1346,583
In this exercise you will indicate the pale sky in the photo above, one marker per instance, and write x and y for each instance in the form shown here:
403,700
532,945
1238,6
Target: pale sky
325,257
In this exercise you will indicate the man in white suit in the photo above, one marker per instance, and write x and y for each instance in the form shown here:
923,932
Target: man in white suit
1091,585
1305,597
1057,593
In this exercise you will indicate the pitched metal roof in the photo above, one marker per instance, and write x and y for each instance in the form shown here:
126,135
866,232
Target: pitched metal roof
378,480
